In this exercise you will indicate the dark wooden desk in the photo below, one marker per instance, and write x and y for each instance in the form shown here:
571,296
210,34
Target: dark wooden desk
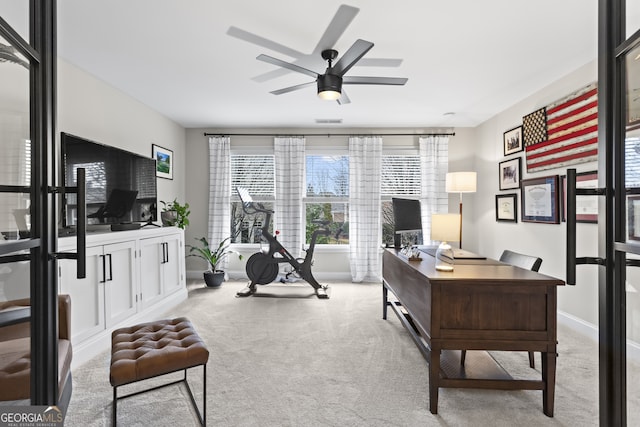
479,306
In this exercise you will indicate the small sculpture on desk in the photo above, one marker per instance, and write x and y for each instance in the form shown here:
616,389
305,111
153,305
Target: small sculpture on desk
411,252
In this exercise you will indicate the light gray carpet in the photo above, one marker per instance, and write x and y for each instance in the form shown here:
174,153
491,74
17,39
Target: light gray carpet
301,361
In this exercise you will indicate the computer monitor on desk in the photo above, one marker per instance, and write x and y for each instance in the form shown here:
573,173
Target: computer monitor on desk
407,218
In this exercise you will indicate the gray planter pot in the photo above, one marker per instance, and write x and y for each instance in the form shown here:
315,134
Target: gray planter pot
168,218
213,279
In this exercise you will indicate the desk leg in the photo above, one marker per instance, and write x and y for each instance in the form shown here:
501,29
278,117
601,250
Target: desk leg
384,301
434,377
549,378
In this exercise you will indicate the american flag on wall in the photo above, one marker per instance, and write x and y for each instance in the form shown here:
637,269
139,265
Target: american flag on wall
563,133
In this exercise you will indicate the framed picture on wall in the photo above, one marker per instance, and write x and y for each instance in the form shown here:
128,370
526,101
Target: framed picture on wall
540,200
586,206
164,161
512,140
507,207
509,173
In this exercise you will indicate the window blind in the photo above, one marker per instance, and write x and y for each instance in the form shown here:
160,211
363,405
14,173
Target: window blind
400,175
255,172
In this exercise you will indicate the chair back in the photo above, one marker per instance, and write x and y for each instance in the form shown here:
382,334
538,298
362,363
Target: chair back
527,262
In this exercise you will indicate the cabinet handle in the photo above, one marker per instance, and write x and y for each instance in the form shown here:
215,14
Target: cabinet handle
110,268
166,252
104,278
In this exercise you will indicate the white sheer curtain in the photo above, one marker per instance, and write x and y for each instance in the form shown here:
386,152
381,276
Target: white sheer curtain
290,180
434,158
219,190
364,207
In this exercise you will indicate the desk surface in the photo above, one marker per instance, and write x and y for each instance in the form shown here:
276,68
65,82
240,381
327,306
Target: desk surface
480,271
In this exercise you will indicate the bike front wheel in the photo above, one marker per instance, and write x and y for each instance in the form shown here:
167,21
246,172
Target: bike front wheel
261,269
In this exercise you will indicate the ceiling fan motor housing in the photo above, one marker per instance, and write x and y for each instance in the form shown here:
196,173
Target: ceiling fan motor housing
329,82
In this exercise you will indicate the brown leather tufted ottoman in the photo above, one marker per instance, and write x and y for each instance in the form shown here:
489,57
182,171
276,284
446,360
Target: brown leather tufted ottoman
157,348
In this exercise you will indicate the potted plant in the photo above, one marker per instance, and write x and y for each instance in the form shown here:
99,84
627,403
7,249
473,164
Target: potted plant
213,277
174,213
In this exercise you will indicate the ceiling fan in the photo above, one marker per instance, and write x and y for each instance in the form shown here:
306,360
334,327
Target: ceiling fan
338,25
330,83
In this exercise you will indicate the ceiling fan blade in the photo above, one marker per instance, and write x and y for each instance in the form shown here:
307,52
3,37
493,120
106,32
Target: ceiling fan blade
351,56
341,20
379,62
288,65
360,80
270,75
261,41
344,99
292,88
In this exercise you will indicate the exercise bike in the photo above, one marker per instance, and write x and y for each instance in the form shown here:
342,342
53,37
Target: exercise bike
263,267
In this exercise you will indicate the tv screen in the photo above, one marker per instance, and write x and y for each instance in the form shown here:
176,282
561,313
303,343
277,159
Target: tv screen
407,215
121,186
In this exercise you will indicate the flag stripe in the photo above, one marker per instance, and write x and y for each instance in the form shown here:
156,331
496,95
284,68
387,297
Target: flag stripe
586,110
571,125
553,108
562,148
586,156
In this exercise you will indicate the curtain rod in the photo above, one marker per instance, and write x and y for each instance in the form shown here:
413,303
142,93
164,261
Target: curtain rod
329,135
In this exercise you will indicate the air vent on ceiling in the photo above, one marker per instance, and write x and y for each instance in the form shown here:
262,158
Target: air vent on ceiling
328,121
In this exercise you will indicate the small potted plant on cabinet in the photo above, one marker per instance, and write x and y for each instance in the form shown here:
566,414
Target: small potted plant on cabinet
174,213
213,277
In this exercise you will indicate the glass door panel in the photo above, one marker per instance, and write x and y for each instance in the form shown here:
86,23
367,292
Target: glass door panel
15,146
15,200
16,14
631,116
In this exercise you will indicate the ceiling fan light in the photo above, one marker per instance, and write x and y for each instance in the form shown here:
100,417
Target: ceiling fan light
329,87
329,95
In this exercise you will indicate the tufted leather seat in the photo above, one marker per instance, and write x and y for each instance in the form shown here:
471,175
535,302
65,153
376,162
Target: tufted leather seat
156,348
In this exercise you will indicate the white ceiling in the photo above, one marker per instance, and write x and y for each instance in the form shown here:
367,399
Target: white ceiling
467,57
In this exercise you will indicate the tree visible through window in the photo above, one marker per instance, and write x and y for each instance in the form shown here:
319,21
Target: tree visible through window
327,198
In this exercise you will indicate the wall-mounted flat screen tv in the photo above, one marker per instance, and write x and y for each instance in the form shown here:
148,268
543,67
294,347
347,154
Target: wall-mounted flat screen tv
121,186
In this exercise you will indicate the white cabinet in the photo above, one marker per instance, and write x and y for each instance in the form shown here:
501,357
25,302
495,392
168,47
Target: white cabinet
87,295
108,293
160,267
131,276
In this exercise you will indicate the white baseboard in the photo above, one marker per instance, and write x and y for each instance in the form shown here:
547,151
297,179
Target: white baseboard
590,331
242,275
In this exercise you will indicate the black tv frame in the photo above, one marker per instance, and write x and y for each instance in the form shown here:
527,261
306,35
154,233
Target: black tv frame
142,210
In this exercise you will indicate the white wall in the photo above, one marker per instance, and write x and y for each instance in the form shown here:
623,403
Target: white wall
330,263
92,109
544,240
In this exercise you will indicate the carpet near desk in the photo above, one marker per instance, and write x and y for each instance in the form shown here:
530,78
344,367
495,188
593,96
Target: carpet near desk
310,362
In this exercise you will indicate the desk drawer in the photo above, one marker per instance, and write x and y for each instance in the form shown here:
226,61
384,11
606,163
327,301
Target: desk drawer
495,314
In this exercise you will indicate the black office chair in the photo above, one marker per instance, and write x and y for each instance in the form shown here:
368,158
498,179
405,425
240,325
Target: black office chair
527,262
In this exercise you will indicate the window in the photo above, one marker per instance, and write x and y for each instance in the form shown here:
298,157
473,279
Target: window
327,198
256,173
401,177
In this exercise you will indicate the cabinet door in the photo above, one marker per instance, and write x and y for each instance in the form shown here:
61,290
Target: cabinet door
151,257
120,283
87,295
171,268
